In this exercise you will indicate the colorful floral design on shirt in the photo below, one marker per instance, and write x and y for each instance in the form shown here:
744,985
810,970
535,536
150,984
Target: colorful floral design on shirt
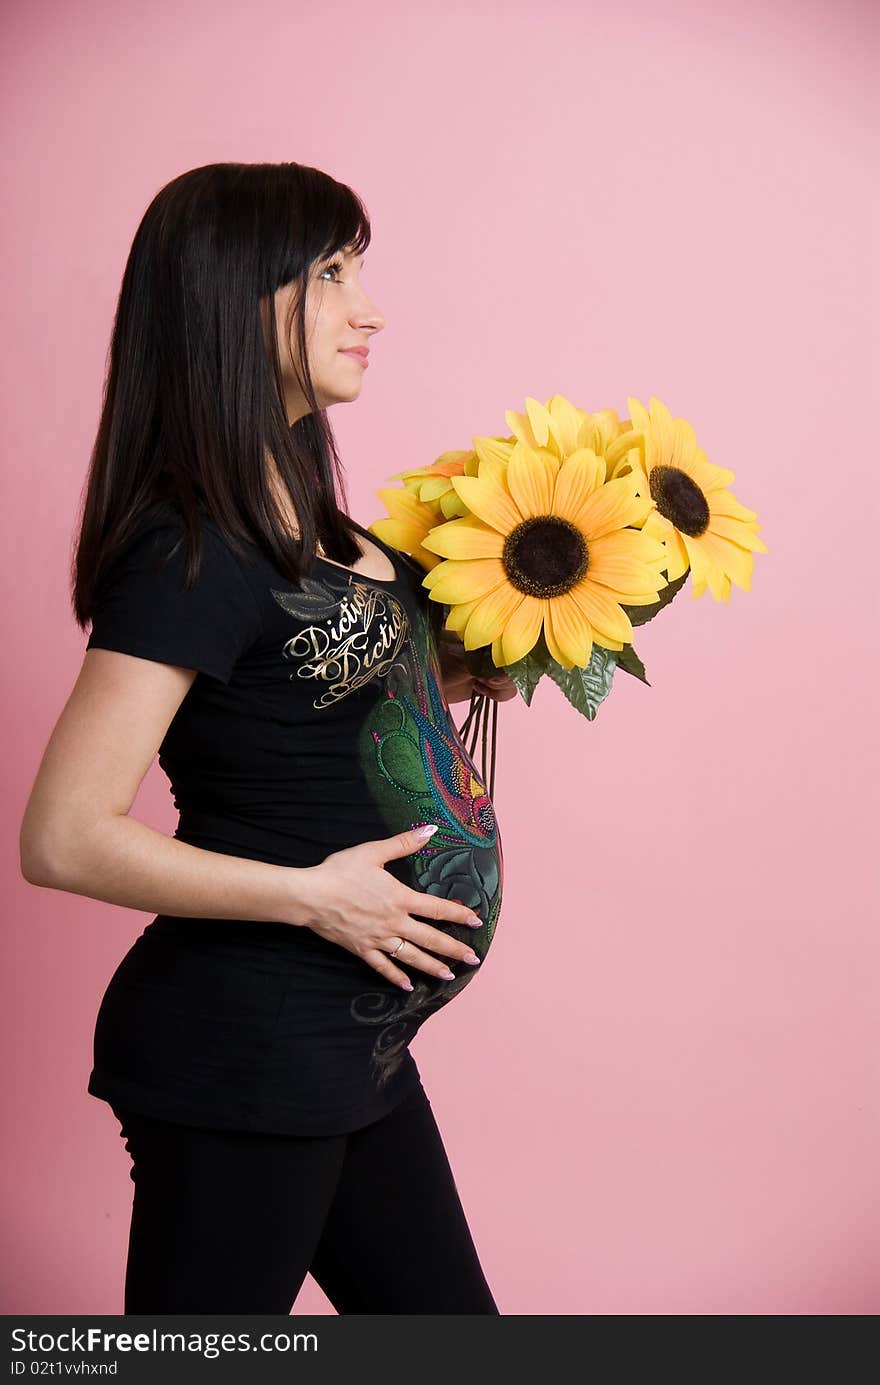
420,771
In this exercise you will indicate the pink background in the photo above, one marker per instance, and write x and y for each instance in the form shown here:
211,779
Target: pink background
660,1094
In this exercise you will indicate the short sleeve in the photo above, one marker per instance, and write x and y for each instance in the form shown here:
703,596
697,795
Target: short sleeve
143,607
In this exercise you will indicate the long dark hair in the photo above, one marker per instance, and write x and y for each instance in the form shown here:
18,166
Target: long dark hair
193,398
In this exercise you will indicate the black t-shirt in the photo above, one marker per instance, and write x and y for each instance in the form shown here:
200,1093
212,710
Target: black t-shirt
316,721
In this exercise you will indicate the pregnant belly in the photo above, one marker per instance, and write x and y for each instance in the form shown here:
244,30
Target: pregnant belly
462,861
416,769
395,1014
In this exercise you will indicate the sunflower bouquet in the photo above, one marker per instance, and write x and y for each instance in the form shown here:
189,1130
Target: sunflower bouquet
545,548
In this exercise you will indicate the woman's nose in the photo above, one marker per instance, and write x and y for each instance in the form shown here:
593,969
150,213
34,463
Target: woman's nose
371,318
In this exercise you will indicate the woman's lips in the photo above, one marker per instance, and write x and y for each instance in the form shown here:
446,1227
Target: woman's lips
357,356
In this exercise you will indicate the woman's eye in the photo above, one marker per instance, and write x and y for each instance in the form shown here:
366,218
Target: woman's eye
336,266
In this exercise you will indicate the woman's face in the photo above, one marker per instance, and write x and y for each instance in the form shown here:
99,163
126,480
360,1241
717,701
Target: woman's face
339,315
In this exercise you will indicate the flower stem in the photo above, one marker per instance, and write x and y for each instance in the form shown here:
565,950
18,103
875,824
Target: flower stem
478,714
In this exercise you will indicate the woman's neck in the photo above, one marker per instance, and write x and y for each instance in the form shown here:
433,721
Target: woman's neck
285,505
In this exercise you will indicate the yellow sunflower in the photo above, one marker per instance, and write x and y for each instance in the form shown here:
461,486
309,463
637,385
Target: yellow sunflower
560,427
409,521
545,545
701,524
433,485
428,498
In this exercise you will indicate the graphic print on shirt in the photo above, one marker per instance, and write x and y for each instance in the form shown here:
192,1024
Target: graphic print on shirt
419,771
347,640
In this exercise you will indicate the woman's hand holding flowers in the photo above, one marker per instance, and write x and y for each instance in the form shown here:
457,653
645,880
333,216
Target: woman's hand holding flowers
459,683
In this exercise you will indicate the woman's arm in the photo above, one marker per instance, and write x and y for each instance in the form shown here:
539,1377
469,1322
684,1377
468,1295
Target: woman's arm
77,834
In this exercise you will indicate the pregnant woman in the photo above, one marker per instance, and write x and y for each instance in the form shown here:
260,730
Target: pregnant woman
290,671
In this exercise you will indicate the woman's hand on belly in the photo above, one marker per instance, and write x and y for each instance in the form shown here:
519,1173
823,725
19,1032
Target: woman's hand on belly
355,902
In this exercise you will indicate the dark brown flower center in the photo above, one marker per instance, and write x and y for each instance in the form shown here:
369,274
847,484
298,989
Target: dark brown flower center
545,556
680,500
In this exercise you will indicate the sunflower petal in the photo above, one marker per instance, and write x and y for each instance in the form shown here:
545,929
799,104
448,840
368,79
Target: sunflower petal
663,430
719,583
539,420
398,534
571,630
678,555
700,562
433,487
522,629
608,508
564,423
494,470
631,544
452,506
491,450
710,477
623,598
530,480
737,532
684,444
465,538
520,427
724,502
555,650
602,611
625,453
638,415
402,503
464,580
490,616
488,498
459,616
657,526
625,575
579,476
734,562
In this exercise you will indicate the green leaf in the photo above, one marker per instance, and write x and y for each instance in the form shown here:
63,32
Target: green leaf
640,615
629,661
527,672
587,688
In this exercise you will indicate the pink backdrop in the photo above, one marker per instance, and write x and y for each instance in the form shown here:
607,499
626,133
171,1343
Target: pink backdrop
660,1095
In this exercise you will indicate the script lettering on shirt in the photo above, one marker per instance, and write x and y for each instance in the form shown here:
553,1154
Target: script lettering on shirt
363,642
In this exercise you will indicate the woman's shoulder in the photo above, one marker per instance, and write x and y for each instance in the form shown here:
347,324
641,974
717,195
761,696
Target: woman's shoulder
159,539
165,518
150,604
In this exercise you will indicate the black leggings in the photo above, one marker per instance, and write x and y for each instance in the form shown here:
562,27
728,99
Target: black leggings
226,1221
